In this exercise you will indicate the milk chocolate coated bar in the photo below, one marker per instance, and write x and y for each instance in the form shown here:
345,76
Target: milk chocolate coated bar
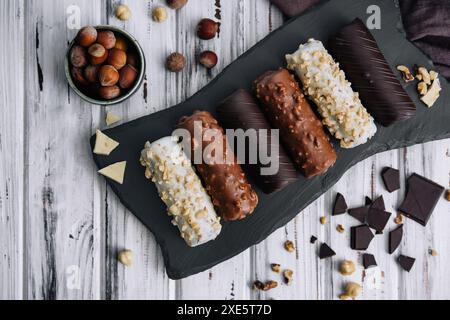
232,195
356,50
301,131
240,111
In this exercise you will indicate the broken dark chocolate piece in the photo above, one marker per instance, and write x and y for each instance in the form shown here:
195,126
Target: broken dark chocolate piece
366,68
406,262
369,261
368,201
422,195
378,204
313,239
325,251
391,179
395,238
359,214
377,219
360,237
340,205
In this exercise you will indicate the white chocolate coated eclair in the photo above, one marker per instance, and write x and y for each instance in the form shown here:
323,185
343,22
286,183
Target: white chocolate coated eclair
181,190
325,83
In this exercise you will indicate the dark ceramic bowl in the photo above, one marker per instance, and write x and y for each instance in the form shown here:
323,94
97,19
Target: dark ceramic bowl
134,46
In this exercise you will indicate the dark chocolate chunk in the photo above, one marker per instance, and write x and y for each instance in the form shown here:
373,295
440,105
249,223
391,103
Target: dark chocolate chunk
325,251
377,219
422,195
391,179
378,204
395,238
313,239
340,205
360,237
240,111
406,262
380,90
359,214
369,261
368,201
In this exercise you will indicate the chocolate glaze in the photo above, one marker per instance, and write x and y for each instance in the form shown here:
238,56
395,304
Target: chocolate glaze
301,131
231,194
355,48
240,111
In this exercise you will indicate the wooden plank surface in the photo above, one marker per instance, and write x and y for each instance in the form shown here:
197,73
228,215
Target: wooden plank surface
59,220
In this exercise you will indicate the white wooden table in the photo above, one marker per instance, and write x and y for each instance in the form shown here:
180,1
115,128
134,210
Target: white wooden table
57,217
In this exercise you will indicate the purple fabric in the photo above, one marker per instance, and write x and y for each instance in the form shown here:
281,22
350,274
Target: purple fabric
426,22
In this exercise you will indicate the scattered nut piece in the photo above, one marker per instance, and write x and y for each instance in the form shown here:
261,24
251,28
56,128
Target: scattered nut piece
447,195
399,218
433,94
159,14
269,285
433,75
433,253
126,257
347,268
288,276
425,75
275,267
340,228
419,77
323,220
352,290
258,285
407,76
123,12
289,246
422,88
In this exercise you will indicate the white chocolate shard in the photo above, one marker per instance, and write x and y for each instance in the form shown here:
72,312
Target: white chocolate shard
112,118
115,172
104,145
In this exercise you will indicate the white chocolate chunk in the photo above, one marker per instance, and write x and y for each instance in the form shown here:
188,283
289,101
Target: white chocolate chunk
104,145
433,93
112,118
181,190
115,172
325,83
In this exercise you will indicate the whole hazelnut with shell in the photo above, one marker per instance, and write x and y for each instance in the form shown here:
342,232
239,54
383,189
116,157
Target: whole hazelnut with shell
106,38
109,93
78,77
86,36
123,12
108,75
78,56
121,44
207,29
175,62
117,58
208,59
127,76
176,4
97,54
91,73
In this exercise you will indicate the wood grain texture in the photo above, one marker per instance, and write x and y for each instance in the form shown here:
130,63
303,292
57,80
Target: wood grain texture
56,212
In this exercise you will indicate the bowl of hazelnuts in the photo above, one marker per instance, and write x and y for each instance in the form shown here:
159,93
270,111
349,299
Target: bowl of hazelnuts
104,65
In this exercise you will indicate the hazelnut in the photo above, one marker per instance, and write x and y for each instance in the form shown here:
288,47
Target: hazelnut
425,75
121,44
78,77
340,228
107,39
288,276
270,285
78,57
352,290
207,29
159,14
208,59
132,59
399,218
175,62
347,268
117,58
433,253
275,267
127,77
86,36
176,4
108,75
123,12
91,73
447,195
289,246
126,257
323,220
97,54
109,93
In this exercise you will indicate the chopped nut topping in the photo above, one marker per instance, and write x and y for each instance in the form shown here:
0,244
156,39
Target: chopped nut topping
275,267
407,76
289,246
433,253
340,228
288,276
323,220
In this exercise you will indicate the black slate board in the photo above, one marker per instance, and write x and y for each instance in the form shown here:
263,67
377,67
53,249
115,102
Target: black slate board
274,211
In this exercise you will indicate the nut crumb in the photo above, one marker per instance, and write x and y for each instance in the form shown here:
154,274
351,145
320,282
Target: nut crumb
288,276
275,267
407,76
323,220
399,218
289,246
422,88
447,195
126,257
340,228
269,285
433,253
